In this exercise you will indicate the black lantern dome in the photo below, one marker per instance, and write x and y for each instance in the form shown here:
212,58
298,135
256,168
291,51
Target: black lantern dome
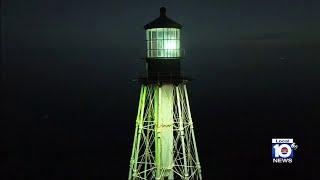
163,21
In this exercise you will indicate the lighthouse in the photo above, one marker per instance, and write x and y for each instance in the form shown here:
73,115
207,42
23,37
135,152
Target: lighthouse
164,146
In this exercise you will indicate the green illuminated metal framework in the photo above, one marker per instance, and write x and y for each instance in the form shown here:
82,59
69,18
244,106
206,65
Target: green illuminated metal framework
164,146
164,141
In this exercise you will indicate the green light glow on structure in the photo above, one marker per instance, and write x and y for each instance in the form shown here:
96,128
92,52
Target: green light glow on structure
163,43
164,145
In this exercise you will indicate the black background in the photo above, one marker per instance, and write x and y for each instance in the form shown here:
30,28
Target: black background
69,105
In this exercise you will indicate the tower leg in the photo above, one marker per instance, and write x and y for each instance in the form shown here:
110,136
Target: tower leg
181,131
138,132
132,159
198,167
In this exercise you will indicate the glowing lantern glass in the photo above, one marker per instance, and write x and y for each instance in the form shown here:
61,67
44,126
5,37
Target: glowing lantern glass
163,43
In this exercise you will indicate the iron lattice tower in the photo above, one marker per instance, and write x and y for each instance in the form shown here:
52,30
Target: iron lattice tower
164,144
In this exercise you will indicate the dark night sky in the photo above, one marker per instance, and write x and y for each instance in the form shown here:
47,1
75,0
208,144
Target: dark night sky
69,106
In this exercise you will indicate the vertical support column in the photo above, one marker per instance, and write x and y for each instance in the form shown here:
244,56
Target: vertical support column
165,126
132,159
157,132
192,132
181,130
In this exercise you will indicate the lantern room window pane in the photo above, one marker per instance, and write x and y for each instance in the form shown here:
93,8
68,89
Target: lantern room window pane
174,34
178,34
160,34
165,33
160,44
153,45
153,53
160,53
154,34
170,34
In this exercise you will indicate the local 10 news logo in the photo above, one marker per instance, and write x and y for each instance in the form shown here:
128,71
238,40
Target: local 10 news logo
283,150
